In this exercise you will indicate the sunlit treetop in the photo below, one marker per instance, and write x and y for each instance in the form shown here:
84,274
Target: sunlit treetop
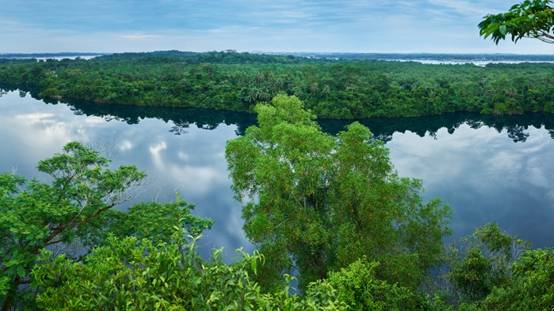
529,19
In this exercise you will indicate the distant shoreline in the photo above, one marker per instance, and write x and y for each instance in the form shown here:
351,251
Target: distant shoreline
45,55
426,58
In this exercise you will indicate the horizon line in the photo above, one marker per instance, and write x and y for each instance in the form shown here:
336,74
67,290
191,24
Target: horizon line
269,52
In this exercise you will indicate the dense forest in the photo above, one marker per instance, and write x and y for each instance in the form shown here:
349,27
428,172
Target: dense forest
67,245
334,225
229,80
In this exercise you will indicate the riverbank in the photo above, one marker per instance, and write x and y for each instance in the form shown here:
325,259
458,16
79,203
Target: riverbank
338,89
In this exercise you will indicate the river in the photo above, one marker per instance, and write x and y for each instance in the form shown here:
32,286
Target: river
487,169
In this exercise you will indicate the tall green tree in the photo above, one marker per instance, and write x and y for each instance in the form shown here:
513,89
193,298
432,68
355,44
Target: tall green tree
529,19
320,202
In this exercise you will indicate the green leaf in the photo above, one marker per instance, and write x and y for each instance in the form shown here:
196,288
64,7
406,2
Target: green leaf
20,271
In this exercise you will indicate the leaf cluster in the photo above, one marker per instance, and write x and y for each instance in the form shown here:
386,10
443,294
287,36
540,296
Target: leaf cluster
531,18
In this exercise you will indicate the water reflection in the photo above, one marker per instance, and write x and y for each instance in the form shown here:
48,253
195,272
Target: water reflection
191,164
181,118
516,127
486,168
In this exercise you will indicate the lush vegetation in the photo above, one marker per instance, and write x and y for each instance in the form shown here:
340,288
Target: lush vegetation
529,19
330,88
359,235
323,202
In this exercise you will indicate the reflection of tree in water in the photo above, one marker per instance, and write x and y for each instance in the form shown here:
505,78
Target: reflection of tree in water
182,118
518,133
177,130
516,127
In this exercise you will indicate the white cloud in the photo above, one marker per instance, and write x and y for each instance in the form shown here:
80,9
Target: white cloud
139,36
125,145
448,26
463,7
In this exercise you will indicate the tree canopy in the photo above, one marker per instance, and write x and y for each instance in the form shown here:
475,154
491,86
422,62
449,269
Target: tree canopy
145,257
529,19
326,201
74,212
340,89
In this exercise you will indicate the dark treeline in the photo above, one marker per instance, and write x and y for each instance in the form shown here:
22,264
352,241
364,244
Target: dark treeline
345,89
383,128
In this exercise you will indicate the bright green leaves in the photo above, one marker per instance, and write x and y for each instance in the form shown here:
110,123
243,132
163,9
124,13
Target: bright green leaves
532,284
358,287
77,206
81,175
282,162
531,18
136,274
36,215
170,222
326,201
283,109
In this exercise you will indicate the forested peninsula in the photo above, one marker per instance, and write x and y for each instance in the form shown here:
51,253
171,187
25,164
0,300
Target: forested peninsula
331,88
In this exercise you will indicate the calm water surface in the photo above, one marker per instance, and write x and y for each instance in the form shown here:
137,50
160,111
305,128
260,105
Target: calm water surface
487,169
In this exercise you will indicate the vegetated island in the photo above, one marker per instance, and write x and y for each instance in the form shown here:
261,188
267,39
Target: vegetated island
331,88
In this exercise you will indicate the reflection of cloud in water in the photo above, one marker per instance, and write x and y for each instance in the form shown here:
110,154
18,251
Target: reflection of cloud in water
191,164
505,162
36,118
473,165
484,176
125,145
195,179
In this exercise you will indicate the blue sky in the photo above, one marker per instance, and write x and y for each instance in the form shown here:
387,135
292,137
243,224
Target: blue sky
448,26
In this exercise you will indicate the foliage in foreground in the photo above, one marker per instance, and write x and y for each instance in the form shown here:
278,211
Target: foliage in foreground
529,19
138,274
145,258
74,212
